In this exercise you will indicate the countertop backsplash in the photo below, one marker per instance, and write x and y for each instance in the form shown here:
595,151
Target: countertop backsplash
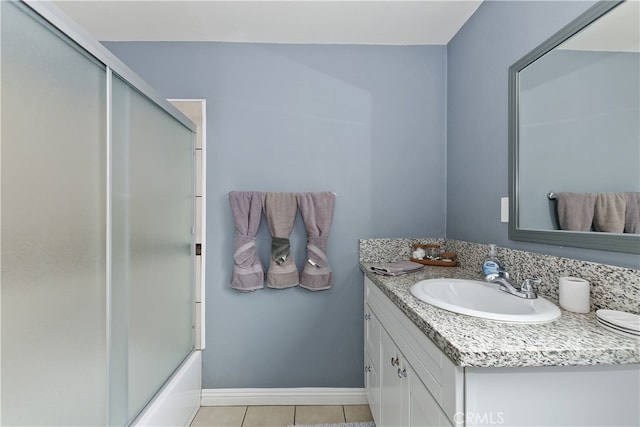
612,287
390,250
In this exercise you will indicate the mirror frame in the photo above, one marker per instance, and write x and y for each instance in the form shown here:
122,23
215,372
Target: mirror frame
629,243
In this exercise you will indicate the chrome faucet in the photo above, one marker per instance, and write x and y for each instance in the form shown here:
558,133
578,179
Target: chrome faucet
525,290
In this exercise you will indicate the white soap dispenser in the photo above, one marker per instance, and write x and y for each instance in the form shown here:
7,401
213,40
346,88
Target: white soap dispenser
491,264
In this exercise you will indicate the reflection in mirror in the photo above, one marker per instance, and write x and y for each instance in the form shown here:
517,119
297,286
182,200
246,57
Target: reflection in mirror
574,131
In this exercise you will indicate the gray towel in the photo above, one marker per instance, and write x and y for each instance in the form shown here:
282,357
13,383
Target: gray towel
280,210
316,210
632,214
395,268
246,209
609,213
575,211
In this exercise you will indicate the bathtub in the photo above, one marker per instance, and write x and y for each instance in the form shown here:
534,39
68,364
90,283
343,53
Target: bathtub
178,400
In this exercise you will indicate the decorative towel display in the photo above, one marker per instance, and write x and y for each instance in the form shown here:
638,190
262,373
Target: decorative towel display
632,214
246,209
609,212
575,211
395,268
280,210
316,210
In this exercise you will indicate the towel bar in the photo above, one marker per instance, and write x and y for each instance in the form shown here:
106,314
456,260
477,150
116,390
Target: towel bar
552,196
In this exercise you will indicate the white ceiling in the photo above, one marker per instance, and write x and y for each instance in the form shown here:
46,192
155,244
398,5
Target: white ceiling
618,31
391,22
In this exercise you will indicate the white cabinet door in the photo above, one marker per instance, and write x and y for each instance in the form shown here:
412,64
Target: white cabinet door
372,387
372,361
424,411
372,336
393,412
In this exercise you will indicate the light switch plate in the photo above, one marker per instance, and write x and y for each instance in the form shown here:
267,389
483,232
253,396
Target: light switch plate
504,209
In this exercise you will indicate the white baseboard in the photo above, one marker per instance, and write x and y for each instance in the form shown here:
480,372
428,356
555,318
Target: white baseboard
283,396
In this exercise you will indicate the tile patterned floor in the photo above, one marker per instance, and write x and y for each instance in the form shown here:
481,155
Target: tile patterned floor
278,416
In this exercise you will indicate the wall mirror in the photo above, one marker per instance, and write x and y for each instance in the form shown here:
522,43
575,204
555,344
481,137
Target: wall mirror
574,104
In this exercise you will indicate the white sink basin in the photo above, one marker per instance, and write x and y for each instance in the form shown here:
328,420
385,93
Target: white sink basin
485,300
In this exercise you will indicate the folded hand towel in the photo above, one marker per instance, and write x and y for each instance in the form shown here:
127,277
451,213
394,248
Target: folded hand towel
280,210
632,214
246,209
316,210
609,213
575,211
395,268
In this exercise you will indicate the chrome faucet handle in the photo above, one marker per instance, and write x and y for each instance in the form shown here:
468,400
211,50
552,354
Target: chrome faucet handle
527,289
491,277
499,273
529,284
503,273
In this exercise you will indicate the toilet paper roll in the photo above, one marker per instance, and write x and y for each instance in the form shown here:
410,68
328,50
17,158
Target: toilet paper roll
574,294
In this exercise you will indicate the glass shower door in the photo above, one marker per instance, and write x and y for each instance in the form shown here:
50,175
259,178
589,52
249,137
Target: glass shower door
53,216
152,263
96,234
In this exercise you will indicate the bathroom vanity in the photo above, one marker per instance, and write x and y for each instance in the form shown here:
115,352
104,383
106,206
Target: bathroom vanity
425,366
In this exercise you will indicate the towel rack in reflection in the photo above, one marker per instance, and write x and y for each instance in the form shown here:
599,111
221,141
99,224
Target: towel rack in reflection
334,193
551,196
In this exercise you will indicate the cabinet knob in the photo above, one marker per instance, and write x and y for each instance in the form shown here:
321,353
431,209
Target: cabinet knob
402,373
367,316
395,361
367,369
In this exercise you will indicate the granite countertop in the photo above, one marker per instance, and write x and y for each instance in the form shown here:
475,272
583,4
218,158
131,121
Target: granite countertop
573,340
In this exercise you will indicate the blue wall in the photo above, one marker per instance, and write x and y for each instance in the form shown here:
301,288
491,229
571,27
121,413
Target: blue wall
479,56
367,122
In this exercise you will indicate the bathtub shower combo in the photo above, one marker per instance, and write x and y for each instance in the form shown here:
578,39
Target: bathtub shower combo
97,224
